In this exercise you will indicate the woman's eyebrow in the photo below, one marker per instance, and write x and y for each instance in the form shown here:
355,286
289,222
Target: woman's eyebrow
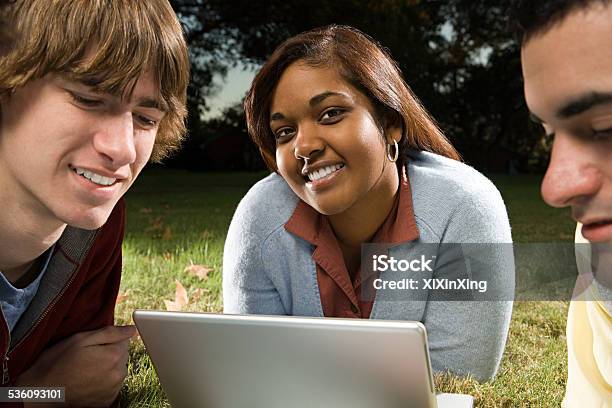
276,116
317,99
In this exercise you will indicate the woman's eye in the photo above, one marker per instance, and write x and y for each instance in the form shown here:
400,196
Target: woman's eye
283,133
88,102
331,114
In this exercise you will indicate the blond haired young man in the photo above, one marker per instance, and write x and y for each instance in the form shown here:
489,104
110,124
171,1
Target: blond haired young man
566,57
89,92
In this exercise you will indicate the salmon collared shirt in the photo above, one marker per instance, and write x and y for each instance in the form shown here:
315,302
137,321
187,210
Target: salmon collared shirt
341,294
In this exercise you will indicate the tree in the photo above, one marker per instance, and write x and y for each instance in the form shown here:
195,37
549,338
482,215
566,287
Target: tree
456,55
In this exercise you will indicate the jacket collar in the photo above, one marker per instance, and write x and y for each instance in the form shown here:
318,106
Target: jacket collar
69,252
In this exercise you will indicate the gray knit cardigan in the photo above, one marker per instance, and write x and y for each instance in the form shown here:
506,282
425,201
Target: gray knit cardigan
267,270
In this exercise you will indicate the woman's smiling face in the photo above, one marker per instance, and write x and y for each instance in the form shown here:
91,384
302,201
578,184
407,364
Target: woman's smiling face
329,145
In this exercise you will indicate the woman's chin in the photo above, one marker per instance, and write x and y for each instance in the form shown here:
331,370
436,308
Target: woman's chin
329,201
328,207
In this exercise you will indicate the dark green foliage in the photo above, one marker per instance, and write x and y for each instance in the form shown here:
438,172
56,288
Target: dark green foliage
458,56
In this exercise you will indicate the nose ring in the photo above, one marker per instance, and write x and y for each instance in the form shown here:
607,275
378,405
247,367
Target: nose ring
305,158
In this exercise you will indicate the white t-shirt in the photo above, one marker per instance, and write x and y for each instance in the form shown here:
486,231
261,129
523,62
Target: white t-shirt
589,339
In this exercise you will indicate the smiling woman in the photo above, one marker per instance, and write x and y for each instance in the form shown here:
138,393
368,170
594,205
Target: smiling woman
357,161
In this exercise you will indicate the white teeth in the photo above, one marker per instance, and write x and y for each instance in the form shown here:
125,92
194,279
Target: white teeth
324,172
94,177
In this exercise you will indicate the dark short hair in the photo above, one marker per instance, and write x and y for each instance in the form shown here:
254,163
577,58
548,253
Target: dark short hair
529,18
363,63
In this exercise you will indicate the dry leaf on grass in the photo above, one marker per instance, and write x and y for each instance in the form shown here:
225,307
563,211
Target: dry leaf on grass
121,297
167,235
201,271
156,224
197,295
156,227
180,299
206,235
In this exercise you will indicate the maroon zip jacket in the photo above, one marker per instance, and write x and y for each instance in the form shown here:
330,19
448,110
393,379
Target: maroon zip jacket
77,293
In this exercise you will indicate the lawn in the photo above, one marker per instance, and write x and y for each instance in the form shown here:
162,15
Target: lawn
177,219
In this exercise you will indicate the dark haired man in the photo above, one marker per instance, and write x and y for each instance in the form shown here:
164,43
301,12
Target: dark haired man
566,57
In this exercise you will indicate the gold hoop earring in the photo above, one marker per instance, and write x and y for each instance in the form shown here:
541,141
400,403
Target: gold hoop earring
393,157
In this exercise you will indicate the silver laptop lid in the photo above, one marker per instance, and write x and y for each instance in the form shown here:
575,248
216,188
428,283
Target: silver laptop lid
231,361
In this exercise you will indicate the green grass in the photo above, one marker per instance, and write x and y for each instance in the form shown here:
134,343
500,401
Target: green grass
178,218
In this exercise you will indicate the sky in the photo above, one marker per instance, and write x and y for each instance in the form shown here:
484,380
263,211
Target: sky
232,89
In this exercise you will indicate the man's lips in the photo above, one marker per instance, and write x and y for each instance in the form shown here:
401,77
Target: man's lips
597,230
100,177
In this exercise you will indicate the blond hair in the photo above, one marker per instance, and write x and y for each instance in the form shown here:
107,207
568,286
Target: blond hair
121,38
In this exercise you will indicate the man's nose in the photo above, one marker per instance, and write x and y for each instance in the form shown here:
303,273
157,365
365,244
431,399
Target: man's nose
308,143
116,140
571,175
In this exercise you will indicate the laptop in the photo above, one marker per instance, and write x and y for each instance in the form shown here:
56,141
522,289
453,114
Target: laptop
236,361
